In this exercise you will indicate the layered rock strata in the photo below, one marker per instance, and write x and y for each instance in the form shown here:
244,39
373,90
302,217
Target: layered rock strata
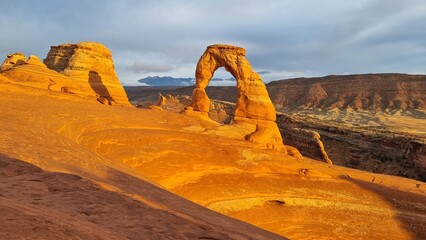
91,63
253,103
377,92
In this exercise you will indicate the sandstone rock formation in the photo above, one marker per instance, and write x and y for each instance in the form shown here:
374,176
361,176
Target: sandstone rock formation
167,100
89,62
253,103
308,141
12,60
161,100
33,72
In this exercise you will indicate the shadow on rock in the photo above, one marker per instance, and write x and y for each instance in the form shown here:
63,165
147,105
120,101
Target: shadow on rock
95,81
409,207
38,204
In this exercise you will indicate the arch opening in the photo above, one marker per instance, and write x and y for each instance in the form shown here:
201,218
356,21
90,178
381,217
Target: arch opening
223,93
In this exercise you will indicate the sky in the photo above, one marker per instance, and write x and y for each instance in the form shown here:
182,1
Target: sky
283,38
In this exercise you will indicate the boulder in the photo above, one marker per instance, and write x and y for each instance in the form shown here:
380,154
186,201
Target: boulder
91,63
34,60
12,60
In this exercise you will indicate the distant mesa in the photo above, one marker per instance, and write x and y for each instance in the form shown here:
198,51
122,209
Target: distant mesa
167,81
85,69
373,92
253,104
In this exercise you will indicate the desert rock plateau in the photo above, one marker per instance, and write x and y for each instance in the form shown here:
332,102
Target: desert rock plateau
77,161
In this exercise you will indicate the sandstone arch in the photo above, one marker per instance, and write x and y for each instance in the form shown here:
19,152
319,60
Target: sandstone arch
253,101
253,104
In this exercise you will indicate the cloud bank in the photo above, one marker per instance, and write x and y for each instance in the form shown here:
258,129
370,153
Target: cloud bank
285,38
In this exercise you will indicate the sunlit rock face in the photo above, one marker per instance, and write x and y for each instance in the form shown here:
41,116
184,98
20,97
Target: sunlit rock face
253,103
89,62
34,73
12,60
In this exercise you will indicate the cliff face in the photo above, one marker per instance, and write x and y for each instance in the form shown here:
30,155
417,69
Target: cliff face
364,92
308,141
371,150
91,63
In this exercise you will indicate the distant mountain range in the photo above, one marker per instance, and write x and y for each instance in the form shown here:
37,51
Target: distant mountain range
181,82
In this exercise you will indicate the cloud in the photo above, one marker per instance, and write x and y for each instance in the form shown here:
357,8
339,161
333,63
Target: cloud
264,72
142,67
306,36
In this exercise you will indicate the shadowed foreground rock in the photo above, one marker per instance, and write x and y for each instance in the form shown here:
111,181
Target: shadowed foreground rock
37,204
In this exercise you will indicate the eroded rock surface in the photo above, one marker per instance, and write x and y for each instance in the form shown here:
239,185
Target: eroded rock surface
33,72
308,141
89,62
253,103
12,60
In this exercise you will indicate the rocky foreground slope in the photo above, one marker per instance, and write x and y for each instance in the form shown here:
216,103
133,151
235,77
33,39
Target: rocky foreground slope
73,168
53,186
118,152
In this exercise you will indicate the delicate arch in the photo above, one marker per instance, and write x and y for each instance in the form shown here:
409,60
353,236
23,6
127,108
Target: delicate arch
253,101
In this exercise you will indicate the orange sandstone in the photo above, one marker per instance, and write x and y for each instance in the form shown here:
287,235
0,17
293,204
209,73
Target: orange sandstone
119,149
89,62
12,60
33,72
253,104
